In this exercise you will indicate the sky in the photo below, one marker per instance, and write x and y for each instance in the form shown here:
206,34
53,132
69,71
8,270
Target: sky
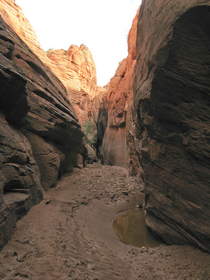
102,25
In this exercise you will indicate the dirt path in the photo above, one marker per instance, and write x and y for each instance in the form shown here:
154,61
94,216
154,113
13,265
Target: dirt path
69,236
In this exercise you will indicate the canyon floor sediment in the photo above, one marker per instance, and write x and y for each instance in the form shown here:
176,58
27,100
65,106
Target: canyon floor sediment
69,236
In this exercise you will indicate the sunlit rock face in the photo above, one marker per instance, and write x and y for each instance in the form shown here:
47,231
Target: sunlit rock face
76,69
172,108
14,17
115,124
39,133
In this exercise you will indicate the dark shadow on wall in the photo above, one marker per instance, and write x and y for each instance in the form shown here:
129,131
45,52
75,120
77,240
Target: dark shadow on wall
177,162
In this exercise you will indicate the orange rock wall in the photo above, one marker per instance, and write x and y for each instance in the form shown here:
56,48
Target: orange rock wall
118,103
75,67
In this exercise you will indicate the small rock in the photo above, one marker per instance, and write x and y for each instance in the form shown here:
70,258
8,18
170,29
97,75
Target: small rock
48,201
125,193
25,241
113,196
91,266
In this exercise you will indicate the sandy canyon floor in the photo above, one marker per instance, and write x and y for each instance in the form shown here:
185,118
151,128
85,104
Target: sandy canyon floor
69,235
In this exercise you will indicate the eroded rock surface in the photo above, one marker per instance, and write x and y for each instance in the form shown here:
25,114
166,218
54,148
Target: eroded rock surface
115,123
76,69
172,101
39,133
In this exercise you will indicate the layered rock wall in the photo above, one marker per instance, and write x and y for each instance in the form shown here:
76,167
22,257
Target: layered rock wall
39,134
172,102
76,69
12,14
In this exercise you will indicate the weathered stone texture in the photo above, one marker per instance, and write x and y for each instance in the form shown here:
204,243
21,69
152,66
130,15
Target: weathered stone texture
172,110
115,123
76,69
39,134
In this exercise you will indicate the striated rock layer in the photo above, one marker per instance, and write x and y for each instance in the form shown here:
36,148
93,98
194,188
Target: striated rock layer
76,69
14,17
115,124
172,107
39,134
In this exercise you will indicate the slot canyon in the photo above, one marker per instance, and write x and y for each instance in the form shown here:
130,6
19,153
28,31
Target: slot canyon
107,182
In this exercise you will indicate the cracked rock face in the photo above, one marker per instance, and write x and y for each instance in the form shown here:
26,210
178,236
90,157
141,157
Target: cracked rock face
172,106
39,133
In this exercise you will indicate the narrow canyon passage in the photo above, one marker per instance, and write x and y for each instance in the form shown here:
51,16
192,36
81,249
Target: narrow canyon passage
61,220
69,235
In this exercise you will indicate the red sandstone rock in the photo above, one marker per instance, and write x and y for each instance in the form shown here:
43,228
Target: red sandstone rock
39,133
14,17
171,93
119,132
76,69
172,115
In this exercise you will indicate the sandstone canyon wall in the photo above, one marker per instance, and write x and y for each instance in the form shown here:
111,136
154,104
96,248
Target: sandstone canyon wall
74,67
172,108
166,131
14,17
116,130
39,133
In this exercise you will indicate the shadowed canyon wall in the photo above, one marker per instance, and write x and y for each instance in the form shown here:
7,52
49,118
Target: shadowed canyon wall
172,107
116,130
154,114
39,133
